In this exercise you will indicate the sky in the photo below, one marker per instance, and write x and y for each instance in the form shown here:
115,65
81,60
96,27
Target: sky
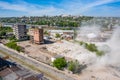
14,8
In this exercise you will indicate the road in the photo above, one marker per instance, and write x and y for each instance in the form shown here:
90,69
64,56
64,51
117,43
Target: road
49,71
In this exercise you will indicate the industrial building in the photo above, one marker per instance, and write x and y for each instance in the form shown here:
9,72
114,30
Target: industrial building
65,34
20,31
53,32
36,35
7,24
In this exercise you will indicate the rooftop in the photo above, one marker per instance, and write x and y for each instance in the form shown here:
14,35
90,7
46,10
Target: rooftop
15,72
60,31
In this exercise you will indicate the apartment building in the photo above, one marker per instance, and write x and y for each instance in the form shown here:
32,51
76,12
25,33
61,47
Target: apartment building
20,31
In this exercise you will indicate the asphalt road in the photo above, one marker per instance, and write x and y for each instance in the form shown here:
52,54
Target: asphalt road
49,71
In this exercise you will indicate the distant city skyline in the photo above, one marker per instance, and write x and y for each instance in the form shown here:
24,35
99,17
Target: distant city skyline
14,8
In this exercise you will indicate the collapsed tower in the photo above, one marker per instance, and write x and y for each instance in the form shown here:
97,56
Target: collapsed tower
36,35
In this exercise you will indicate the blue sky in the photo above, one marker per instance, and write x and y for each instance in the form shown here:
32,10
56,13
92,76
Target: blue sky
10,8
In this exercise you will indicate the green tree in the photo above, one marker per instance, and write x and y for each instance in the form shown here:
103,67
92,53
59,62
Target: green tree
18,48
74,66
2,33
12,38
81,42
71,66
46,33
99,53
57,35
60,63
91,47
4,30
14,46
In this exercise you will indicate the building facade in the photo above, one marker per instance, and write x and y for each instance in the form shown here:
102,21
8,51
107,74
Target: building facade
31,34
20,31
36,35
7,24
65,34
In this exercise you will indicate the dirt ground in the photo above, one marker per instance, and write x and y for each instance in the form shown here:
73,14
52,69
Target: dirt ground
101,73
44,53
38,52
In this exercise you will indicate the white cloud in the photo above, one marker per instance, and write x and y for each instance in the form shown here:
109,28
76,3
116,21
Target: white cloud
31,9
17,7
66,7
96,3
22,7
82,6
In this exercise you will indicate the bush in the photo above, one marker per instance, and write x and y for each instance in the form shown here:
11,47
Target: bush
74,66
71,66
46,33
18,48
14,46
92,48
81,42
67,28
57,35
85,45
12,38
60,63
2,33
100,53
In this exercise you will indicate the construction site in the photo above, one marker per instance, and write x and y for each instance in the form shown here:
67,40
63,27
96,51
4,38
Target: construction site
105,67
106,70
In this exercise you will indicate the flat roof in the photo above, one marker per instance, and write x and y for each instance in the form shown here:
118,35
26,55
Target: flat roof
57,31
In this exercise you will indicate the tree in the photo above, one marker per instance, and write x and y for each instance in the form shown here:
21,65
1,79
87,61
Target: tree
57,35
60,63
18,48
74,66
99,53
71,66
14,46
81,42
2,33
12,38
4,30
91,47
46,33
